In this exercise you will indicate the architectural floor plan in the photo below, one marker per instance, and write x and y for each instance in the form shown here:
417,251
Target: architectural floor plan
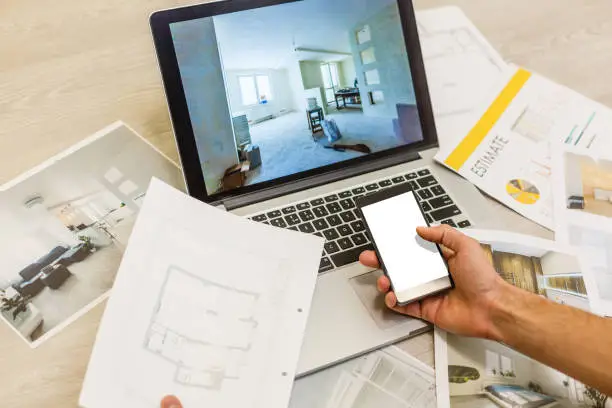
204,328
461,66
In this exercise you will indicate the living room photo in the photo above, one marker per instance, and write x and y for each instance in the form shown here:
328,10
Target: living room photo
277,91
487,374
65,226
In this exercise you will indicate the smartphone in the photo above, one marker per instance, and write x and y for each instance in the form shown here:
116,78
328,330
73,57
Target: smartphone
415,267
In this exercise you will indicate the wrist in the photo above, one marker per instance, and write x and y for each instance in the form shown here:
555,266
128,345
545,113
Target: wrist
502,306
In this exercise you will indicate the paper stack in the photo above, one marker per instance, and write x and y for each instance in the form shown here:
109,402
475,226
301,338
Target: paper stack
544,151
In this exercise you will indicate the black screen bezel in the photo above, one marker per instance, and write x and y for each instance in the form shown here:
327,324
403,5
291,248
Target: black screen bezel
383,195
160,26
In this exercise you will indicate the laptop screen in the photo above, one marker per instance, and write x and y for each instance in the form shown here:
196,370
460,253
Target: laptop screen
284,89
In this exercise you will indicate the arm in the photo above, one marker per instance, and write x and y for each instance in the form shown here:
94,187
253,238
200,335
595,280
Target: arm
484,305
567,339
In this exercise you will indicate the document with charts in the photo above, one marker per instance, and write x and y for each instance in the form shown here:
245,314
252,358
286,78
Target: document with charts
462,68
474,372
507,151
206,306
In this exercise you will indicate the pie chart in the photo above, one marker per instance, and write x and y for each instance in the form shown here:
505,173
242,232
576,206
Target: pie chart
523,191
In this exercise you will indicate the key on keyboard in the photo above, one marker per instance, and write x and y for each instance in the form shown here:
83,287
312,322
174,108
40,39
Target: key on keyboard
350,256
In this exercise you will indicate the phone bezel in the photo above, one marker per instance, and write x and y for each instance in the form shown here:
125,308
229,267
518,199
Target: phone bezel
373,198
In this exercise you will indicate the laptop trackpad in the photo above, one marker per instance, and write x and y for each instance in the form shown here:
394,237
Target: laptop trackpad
365,288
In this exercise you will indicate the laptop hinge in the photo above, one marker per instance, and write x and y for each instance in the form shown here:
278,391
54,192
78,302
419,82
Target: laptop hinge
220,206
319,180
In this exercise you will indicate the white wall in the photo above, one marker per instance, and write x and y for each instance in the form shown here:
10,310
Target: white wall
555,263
391,62
25,236
282,93
347,73
312,81
294,76
197,53
311,74
573,176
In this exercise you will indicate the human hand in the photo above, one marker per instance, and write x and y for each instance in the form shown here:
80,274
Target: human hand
170,401
465,310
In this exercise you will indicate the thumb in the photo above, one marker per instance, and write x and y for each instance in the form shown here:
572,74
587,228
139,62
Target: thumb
170,401
445,235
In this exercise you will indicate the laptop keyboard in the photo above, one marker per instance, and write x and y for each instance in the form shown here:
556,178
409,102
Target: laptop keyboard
336,217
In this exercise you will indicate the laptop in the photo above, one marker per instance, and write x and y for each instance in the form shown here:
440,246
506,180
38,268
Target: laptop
285,112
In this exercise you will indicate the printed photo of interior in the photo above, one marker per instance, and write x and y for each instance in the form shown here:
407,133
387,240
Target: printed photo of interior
487,374
588,184
276,91
555,275
65,227
596,251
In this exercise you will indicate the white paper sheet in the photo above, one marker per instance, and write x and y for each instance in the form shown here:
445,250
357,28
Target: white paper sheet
477,364
582,190
206,306
462,68
384,378
594,247
507,154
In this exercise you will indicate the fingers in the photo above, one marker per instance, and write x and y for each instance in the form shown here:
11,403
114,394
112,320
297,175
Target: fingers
444,235
170,401
412,309
426,309
368,258
447,252
383,284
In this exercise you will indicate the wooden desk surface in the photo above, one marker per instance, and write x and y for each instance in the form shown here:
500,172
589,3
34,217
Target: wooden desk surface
69,68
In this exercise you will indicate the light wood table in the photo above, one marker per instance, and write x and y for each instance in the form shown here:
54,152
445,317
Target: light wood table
69,68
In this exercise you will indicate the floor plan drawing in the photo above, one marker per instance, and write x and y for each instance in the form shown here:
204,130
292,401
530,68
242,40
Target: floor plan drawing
458,61
462,68
202,327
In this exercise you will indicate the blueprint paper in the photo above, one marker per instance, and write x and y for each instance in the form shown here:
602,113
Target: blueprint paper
461,66
207,306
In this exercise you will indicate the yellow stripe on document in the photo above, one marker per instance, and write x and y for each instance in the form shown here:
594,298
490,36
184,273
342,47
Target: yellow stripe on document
467,146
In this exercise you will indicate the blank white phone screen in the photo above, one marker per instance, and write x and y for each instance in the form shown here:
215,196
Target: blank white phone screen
409,260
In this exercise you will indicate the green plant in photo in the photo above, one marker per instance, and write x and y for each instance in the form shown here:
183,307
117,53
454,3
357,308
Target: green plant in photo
86,242
462,374
16,304
535,387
